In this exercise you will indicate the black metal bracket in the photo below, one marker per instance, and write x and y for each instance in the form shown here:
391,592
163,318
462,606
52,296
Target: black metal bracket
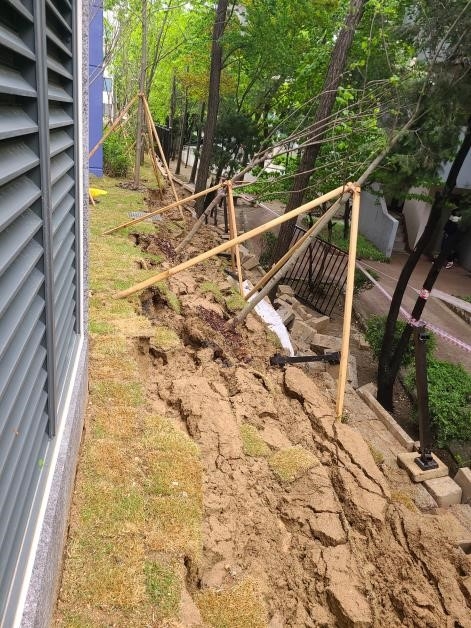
281,360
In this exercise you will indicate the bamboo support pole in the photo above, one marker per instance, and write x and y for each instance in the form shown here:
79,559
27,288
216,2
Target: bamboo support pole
233,223
198,223
162,154
160,210
347,317
281,262
116,123
286,268
230,243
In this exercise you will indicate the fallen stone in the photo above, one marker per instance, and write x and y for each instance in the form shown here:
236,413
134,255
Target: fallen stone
284,289
463,479
444,490
349,606
250,262
321,342
327,528
286,314
407,462
301,331
320,323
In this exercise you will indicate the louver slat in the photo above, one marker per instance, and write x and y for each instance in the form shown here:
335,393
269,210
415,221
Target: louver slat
16,158
58,117
61,211
11,82
13,318
60,189
14,238
15,198
60,165
20,8
59,141
12,280
9,39
14,122
57,42
59,15
58,68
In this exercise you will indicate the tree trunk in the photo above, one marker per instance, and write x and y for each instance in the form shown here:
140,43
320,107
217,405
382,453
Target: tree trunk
171,117
182,133
213,102
198,145
319,127
142,90
389,361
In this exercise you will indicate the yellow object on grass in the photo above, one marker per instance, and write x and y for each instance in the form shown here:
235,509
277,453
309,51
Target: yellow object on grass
96,192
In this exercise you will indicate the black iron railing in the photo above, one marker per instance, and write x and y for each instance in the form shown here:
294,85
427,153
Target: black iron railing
319,275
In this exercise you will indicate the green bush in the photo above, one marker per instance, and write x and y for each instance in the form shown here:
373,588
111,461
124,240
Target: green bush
116,160
449,393
375,332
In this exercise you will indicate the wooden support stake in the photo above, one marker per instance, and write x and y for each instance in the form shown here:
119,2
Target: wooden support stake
200,220
116,123
233,225
230,243
347,317
153,158
162,154
160,210
281,262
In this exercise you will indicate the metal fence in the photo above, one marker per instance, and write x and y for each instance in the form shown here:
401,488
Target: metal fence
165,137
319,275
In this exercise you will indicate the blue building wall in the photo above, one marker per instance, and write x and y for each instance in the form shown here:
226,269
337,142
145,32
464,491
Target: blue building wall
95,73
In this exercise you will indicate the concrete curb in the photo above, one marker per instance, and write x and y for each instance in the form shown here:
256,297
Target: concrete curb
368,394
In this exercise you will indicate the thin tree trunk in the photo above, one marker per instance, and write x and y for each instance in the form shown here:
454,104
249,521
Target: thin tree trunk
389,361
142,89
182,133
213,102
171,117
198,145
337,64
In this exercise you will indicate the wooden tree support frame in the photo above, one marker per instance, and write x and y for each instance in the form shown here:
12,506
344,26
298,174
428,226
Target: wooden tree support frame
231,243
161,210
233,229
347,316
116,122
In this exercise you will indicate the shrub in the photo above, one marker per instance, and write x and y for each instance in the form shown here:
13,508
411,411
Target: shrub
449,392
375,332
116,160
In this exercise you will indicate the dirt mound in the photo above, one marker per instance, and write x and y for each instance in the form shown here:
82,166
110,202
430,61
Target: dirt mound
294,502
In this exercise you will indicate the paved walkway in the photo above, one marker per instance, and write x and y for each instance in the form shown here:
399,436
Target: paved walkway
455,281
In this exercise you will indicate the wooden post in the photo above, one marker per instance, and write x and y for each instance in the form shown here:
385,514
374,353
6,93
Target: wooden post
347,317
280,263
162,154
230,243
233,224
116,122
153,158
160,210
199,222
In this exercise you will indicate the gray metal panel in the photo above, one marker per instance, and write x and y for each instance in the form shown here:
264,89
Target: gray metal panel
16,158
14,122
15,198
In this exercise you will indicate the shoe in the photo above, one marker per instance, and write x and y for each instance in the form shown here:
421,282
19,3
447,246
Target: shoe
449,265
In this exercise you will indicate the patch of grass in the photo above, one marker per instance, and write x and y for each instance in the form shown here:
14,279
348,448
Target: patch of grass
252,442
466,298
139,481
163,586
290,463
399,497
235,302
209,287
273,339
169,297
165,338
238,607
377,455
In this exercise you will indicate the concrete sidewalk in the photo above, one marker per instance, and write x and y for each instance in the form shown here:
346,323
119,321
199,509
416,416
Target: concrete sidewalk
455,281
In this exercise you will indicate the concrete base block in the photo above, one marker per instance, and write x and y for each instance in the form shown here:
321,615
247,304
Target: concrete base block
463,479
320,323
302,331
284,289
321,342
407,461
444,491
368,394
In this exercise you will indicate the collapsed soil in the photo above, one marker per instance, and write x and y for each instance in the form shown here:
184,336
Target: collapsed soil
322,537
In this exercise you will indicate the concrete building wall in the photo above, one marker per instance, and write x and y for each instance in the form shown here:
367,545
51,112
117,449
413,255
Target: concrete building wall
375,222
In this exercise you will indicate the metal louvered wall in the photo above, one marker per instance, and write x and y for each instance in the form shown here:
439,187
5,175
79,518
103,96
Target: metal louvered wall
38,253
